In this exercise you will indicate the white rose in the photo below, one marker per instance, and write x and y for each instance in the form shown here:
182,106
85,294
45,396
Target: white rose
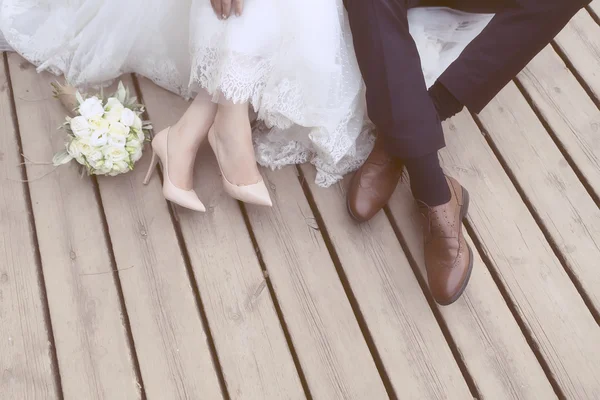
127,117
98,123
91,108
134,148
115,154
99,138
103,167
135,156
80,127
79,149
137,123
73,149
119,167
117,134
94,157
118,129
141,136
132,145
114,110
117,141
111,102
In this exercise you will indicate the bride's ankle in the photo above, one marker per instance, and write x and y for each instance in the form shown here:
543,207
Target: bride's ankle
186,136
232,121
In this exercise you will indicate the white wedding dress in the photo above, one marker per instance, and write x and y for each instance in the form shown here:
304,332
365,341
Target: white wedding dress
293,60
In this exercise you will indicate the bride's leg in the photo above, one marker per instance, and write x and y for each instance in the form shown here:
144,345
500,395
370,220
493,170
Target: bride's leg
233,134
186,136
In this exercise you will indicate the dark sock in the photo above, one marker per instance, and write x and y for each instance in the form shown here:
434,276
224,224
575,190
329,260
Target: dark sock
427,180
445,103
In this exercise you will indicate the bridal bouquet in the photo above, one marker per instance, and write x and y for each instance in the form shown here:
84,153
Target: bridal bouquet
106,136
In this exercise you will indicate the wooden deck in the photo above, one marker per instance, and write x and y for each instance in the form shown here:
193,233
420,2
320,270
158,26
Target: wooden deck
107,292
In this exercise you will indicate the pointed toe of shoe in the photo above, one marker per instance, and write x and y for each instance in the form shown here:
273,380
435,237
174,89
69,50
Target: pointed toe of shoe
257,193
184,198
261,196
197,207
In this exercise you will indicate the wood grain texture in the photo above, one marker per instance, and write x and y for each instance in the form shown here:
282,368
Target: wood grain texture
170,341
251,346
558,321
91,341
488,338
26,370
331,348
565,208
413,350
571,115
580,42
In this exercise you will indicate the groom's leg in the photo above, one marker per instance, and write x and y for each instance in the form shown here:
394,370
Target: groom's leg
404,113
397,98
519,30
398,103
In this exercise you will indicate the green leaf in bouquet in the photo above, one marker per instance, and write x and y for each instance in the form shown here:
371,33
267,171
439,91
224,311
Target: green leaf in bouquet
61,158
79,97
121,93
131,103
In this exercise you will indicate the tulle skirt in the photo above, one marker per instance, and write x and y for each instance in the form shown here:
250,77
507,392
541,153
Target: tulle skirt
292,60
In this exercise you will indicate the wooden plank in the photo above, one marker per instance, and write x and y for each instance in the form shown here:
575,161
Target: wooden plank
565,208
488,338
315,307
252,349
413,350
92,348
25,349
595,7
580,42
170,341
566,107
551,309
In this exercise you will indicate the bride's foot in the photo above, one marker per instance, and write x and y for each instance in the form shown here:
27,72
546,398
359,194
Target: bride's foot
177,147
231,140
183,147
185,138
161,149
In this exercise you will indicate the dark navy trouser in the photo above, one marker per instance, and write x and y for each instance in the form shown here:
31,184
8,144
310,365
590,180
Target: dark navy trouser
397,98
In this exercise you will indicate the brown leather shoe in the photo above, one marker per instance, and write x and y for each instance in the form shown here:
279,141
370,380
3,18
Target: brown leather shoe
448,257
373,184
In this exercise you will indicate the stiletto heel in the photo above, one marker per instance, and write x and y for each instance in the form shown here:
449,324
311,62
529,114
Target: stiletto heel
160,151
151,168
256,193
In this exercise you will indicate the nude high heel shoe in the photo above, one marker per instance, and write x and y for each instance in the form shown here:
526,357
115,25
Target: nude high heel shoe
256,193
185,198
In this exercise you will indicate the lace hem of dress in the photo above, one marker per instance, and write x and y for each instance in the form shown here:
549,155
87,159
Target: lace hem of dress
279,137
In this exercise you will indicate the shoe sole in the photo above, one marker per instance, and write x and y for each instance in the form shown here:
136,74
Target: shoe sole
463,214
